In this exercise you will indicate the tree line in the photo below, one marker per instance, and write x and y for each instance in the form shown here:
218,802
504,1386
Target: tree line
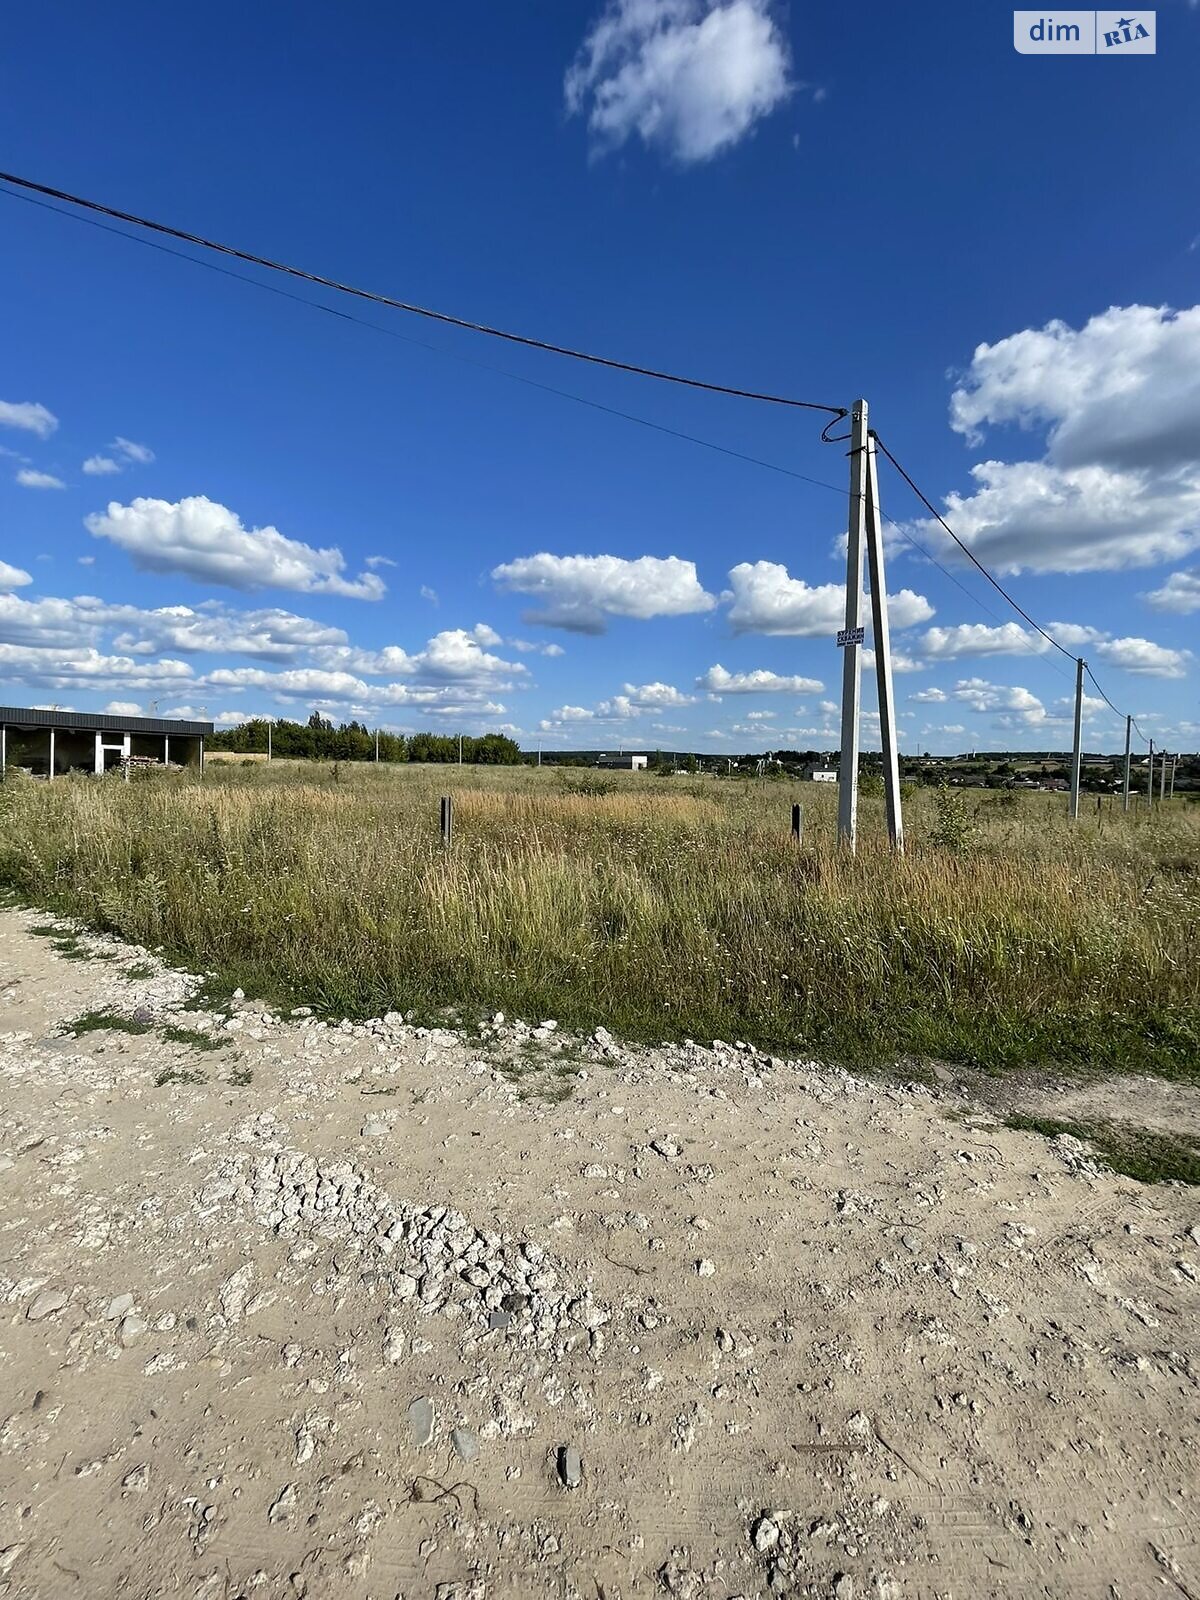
319,740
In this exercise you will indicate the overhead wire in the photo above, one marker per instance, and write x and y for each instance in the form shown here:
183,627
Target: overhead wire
969,553
377,298
424,344
533,383
26,189
995,582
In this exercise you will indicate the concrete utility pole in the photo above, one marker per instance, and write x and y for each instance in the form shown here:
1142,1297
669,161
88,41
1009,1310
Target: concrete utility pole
377,744
1171,790
851,662
883,654
1162,777
460,749
269,724
1128,732
1076,755
1150,781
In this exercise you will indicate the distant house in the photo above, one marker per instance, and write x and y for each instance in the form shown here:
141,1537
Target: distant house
50,743
624,763
820,773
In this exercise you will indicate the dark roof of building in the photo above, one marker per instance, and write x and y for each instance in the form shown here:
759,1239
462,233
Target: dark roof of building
92,721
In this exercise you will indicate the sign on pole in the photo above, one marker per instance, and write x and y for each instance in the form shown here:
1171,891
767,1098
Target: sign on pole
847,636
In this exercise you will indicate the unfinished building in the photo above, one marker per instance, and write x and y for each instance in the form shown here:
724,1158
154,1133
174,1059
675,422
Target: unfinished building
49,744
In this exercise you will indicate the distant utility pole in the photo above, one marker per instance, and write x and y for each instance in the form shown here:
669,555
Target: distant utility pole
1150,780
1128,733
1162,777
1076,755
539,752
460,749
1171,790
377,744
268,738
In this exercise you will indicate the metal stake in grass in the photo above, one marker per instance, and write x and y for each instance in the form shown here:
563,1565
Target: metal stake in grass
797,823
447,819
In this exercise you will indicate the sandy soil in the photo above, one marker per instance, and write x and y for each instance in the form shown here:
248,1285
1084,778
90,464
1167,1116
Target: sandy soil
389,1312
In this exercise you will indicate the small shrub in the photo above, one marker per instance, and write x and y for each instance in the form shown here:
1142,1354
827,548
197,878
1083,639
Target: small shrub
953,826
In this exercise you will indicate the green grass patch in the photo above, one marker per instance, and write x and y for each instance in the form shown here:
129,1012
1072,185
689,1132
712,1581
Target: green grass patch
537,1069
71,949
214,991
1139,1153
1164,1042
240,1077
661,910
106,1022
177,1075
193,1038
139,970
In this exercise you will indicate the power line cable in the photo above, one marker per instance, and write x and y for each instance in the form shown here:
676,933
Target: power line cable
996,584
836,412
424,344
484,366
1096,685
415,310
970,555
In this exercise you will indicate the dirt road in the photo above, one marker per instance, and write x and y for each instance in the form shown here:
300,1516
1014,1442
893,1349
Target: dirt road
388,1312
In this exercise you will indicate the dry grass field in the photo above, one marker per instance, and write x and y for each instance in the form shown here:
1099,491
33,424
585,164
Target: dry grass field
661,908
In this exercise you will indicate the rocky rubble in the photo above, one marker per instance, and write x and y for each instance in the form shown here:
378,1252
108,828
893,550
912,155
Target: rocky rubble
323,1314
431,1256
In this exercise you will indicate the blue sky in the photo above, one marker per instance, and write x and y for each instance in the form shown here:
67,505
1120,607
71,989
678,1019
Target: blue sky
214,497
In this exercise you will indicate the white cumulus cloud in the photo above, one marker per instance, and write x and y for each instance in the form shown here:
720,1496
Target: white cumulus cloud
1117,480
1143,656
687,77
101,466
580,593
31,478
1180,593
13,577
29,416
132,451
456,654
204,540
86,668
978,639
765,598
718,681
656,696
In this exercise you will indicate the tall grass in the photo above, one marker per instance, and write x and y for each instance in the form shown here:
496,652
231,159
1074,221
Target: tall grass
659,908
